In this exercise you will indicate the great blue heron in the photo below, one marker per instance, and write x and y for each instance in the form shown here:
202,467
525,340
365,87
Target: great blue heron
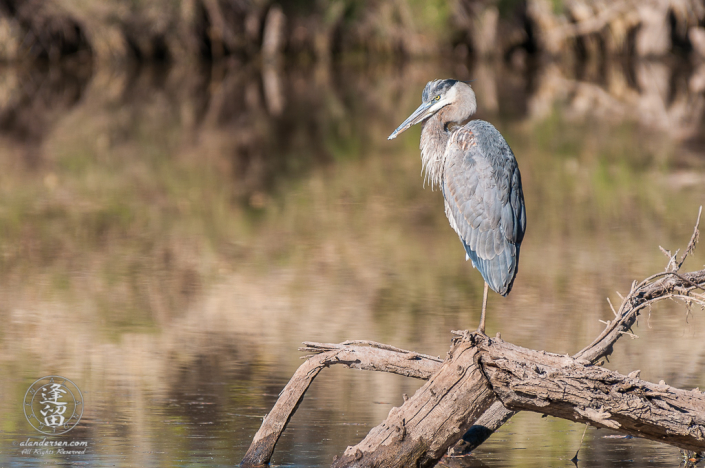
480,179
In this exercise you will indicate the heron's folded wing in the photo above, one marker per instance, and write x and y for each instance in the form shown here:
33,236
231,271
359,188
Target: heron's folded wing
485,204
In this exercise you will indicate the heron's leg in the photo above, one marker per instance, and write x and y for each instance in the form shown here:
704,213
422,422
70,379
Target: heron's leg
481,328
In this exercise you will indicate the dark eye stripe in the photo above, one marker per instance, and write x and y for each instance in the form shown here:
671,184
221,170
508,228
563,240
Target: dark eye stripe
436,87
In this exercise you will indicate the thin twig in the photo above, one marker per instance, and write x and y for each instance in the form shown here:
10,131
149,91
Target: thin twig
631,335
693,239
667,253
387,347
688,299
671,266
318,348
575,458
611,307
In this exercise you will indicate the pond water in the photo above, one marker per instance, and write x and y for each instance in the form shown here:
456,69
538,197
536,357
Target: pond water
170,235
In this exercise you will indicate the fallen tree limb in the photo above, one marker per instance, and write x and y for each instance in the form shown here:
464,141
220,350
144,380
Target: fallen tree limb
483,381
568,388
365,355
420,431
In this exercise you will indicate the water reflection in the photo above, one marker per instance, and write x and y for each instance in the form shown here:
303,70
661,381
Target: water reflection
169,236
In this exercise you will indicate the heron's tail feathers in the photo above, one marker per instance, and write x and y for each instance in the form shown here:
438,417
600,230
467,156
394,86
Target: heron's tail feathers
499,272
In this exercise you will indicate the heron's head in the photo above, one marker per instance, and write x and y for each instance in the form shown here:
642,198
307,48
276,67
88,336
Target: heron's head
457,97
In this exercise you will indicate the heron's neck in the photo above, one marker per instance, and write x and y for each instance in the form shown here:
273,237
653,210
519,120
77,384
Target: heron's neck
434,138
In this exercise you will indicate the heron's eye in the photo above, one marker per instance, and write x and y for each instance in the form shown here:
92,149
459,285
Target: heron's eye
438,97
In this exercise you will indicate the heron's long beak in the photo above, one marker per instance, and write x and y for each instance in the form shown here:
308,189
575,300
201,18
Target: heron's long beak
419,115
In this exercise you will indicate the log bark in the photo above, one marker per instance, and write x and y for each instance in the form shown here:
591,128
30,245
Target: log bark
420,432
569,388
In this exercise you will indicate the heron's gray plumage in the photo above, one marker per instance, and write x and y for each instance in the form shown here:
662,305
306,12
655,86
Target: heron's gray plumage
484,201
479,176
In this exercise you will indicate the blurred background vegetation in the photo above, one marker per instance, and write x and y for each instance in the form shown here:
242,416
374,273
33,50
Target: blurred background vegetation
318,30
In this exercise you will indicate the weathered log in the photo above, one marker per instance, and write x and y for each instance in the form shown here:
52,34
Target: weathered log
364,355
420,431
573,389
483,381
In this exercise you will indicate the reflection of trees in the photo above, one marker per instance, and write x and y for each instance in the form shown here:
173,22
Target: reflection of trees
664,99
659,99
34,99
274,121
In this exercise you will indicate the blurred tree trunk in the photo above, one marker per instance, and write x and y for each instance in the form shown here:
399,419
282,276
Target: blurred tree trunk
215,29
653,37
37,29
